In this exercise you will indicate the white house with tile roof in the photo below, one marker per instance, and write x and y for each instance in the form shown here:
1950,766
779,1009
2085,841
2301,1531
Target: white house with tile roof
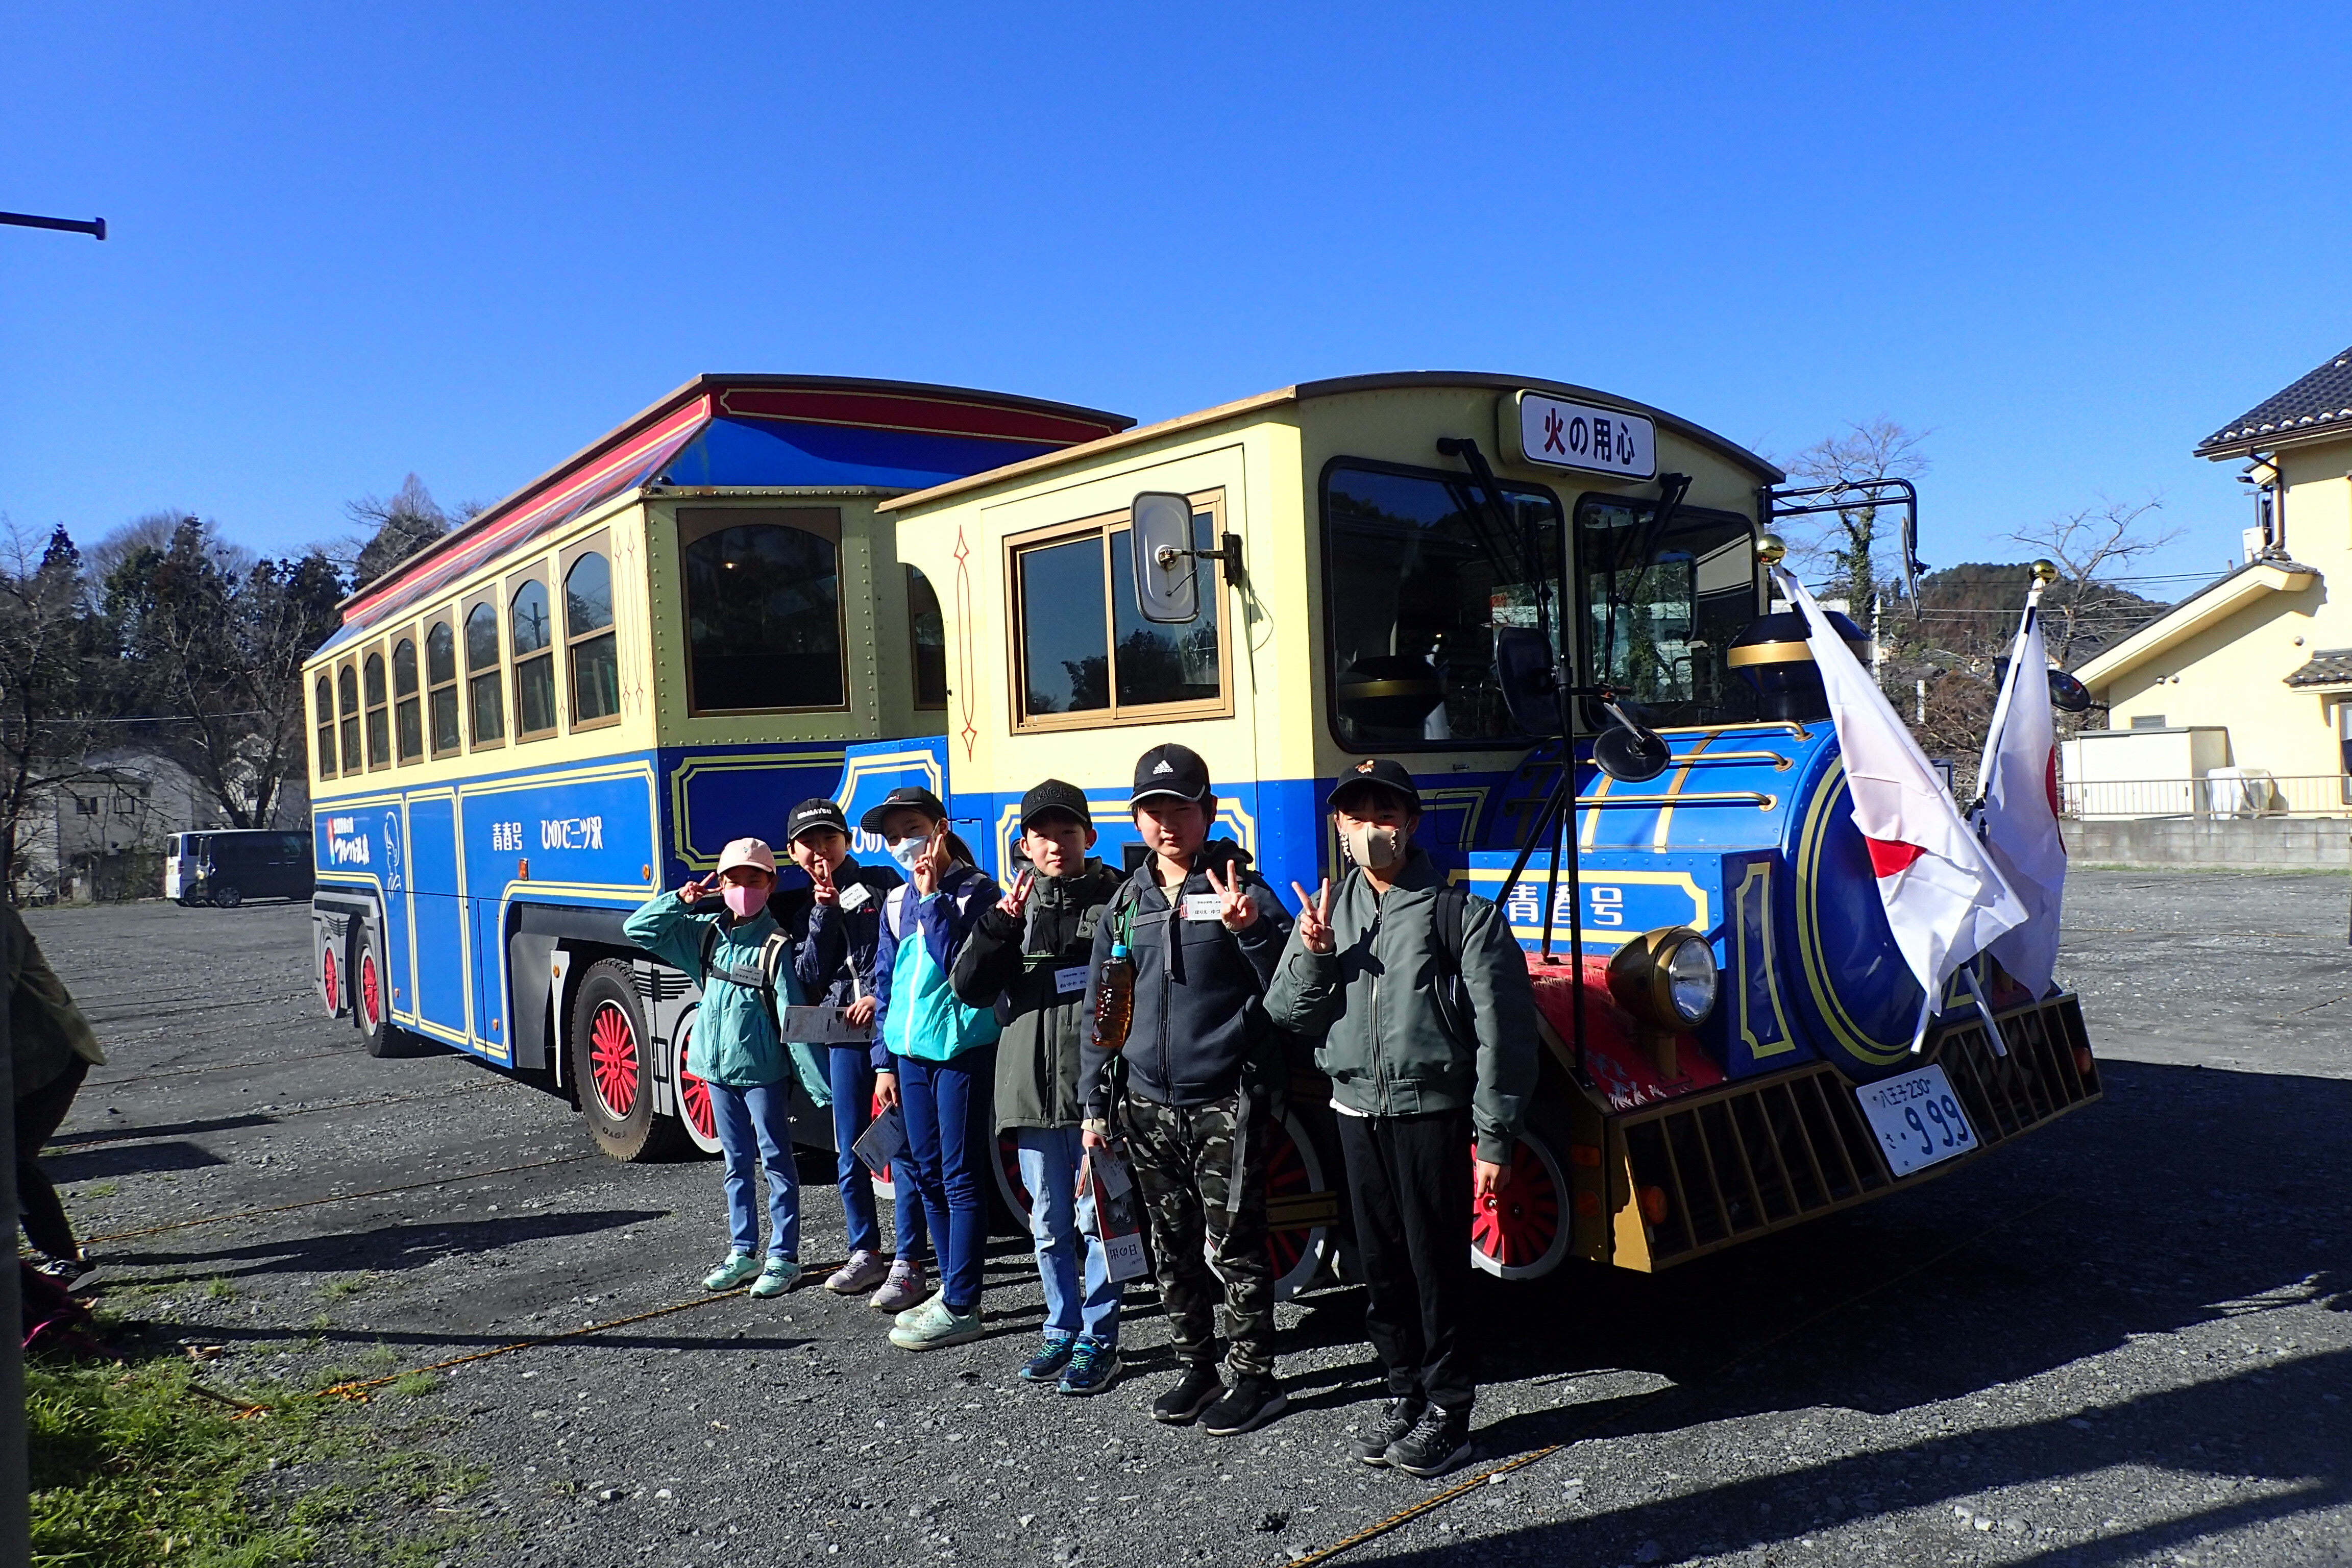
2264,653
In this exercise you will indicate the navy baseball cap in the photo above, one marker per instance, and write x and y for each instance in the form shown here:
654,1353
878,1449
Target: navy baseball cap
916,796
1169,769
814,813
1054,796
1380,772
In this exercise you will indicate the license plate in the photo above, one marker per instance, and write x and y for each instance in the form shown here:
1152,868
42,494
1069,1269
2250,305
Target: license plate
1918,1118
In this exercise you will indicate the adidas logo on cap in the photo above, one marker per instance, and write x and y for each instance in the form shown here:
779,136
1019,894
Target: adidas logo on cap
1162,768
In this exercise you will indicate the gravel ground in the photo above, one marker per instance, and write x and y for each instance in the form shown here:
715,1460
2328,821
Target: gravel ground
2120,1342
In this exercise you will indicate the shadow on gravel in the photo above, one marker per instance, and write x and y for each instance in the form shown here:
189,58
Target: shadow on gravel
2191,1197
127,1159
383,1249
2192,1430
123,1134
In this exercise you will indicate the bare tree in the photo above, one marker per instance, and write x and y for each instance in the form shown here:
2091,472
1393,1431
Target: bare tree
2091,547
1867,450
395,528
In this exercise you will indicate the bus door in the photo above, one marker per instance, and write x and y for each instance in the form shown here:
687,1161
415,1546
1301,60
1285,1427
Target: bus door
435,978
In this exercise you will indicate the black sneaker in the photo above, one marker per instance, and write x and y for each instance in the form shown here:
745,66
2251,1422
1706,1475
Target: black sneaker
1249,1403
1398,1416
1438,1441
1193,1393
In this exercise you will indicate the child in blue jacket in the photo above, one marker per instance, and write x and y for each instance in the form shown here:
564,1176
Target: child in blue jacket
935,1056
731,947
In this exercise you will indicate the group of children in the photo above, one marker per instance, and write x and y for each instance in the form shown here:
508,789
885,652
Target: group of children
979,1004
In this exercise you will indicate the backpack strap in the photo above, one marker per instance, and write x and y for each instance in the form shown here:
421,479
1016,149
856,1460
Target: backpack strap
1447,919
774,954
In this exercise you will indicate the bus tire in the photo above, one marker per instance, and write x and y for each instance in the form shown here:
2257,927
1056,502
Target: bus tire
612,1067
369,999
227,897
1524,1234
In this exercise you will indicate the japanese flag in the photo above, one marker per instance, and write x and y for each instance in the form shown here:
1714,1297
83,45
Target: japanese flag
1945,900
2018,812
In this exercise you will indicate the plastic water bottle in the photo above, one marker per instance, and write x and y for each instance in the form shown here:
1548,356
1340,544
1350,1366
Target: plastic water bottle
1114,998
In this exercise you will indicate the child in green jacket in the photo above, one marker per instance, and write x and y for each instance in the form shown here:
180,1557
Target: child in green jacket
734,950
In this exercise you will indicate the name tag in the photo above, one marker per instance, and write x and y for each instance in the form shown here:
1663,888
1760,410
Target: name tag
1203,906
857,896
1070,982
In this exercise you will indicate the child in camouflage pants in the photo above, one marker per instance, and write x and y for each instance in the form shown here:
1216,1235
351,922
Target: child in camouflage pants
1205,934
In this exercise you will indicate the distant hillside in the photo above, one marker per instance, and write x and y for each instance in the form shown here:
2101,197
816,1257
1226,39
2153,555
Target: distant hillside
1972,608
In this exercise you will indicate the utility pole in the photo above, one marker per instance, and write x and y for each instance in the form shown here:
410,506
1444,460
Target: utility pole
15,1473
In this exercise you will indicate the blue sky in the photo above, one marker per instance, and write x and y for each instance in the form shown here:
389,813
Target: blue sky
350,242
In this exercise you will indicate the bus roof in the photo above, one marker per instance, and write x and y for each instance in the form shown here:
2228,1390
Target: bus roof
752,430
1336,386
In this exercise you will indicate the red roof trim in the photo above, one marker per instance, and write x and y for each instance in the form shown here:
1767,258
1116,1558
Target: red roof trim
930,416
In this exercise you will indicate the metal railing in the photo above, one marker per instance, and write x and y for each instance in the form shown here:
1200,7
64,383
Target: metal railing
2248,792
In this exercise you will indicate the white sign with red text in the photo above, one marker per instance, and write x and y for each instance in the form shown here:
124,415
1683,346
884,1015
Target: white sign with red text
1572,435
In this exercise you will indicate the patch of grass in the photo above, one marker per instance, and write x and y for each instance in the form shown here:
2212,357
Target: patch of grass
415,1384
345,1286
132,1469
379,1357
98,1190
219,1289
319,1323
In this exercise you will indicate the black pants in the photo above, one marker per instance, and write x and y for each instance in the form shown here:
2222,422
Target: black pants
1409,1180
38,1116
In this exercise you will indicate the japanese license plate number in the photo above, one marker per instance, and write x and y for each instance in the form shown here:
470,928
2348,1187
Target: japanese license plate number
1917,1119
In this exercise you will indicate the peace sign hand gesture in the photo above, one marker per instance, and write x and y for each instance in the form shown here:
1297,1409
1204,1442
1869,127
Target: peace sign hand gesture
1315,918
1236,906
1011,904
821,878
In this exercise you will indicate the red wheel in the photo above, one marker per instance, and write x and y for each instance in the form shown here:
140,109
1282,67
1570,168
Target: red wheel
371,994
613,1051
331,984
1294,1180
361,972
1522,1232
694,1111
612,1071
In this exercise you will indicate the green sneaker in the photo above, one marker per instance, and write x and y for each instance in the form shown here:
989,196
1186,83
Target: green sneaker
907,1318
738,1267
938,1326
780,1276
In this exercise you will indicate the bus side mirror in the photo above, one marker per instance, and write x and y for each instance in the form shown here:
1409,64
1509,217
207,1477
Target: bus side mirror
1167,582
2067,694
1524,669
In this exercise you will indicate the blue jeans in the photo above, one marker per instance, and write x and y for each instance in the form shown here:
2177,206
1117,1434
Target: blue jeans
755,1123
1060,1223
852,1111
949,1146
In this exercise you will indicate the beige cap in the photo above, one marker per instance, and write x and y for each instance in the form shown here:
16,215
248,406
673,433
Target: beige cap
748,852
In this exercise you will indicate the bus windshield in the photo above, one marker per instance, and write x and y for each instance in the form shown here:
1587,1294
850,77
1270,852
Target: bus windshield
1662,608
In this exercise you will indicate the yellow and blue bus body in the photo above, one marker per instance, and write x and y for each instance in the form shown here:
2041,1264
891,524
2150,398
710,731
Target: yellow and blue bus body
1354,581
579,697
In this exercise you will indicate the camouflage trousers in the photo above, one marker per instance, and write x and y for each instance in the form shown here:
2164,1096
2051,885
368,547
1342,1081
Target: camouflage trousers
1184,1162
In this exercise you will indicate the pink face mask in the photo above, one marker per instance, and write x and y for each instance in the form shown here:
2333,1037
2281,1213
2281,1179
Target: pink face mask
742,901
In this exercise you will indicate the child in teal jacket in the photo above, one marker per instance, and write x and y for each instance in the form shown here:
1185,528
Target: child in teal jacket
733,949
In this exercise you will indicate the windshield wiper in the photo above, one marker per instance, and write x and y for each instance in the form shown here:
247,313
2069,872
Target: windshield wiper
1671,488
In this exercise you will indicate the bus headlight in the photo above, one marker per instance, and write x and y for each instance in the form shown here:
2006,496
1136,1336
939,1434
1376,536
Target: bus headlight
1666,978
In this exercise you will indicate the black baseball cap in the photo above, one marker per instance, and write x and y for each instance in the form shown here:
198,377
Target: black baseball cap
1054,796
815,812
916,796
1169,769
1382,772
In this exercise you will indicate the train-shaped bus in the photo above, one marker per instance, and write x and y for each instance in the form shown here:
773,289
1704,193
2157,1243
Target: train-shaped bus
1486,577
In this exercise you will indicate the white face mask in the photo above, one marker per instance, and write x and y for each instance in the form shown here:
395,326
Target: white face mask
908,851
1373,847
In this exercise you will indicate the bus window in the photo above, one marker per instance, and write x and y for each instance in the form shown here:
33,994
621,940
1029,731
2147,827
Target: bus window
322,709
533,636
408,718
1086,649
482,698
379,714
1416,581
763,609
1661,610
347,692
592,650
927,631
441,686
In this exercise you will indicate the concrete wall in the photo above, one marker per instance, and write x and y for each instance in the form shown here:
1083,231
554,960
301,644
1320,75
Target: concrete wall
2272,844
